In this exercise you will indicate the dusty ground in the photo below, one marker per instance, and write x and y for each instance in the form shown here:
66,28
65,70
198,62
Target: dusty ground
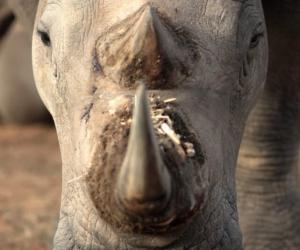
29,187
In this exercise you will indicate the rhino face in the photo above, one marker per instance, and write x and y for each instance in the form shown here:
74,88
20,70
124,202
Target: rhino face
149,99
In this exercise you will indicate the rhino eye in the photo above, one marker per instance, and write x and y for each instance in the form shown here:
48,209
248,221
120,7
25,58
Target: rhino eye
255,41
44,36
256,38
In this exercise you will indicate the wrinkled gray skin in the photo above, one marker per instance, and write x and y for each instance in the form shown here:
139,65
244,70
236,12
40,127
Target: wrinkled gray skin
215,56
268,192
19,100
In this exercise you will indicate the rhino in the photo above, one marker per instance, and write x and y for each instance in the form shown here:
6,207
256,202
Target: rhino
105,70
150,101
267,183
19,100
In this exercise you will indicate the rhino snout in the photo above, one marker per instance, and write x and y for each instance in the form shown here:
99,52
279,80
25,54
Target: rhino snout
143,178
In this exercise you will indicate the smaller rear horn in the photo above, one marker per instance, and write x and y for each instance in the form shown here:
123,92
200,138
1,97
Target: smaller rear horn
143,47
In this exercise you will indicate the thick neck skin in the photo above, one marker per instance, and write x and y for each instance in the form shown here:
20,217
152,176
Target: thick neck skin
268,196
269,153
267,170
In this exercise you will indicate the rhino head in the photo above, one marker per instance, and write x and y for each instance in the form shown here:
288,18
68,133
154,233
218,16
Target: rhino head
149,100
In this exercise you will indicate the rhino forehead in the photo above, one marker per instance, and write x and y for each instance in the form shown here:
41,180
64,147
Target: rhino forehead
217,17
192,9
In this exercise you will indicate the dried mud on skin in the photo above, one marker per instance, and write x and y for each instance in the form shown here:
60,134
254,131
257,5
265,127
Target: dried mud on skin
30,182
179,148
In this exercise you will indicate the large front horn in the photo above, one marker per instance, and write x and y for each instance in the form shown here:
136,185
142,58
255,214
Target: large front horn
144,183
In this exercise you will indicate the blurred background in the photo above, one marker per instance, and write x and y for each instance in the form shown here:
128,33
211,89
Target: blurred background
29,186
30,165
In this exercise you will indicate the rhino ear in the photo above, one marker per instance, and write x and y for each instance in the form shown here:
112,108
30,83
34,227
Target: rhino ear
25,10
6,19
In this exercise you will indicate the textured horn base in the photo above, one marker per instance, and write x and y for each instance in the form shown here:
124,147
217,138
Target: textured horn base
147,49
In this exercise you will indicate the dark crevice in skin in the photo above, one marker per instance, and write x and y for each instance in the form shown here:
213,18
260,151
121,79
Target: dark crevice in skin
88,108
86,114
96,66
94,89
